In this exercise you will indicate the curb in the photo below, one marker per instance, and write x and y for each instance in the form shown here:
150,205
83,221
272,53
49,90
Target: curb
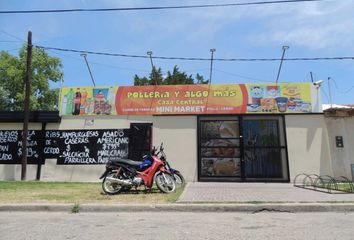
251,208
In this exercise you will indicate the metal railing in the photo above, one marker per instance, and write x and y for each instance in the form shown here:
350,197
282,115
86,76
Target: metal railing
324,183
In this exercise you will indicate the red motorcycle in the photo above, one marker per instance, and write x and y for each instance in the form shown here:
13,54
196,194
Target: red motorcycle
177,175
123,174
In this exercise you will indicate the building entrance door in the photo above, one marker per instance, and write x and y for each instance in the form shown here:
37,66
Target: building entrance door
140,140
242,148
264,149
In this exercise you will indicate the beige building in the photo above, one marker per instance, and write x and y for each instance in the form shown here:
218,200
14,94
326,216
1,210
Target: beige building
340,125
234,132
303,147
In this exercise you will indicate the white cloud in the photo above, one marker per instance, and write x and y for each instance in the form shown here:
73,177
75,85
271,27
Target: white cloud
313,25
314,36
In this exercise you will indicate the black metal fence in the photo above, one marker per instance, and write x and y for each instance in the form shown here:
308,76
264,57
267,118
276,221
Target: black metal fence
324,183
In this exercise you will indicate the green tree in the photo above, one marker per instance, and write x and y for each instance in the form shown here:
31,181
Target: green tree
176,77
200,79
155,77
45,69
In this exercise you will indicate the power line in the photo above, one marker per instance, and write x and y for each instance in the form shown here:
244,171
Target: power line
154,8
10,50
325,94
242,76
116,66
9,41
198,59
188,70
148,71
13,36
341,91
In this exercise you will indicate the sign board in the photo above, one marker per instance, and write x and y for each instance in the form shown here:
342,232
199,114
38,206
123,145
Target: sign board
188,99
11,147
86,146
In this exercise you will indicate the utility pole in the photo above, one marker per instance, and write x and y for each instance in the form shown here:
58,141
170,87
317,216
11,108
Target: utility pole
211,63
88,66
329,92
27,105
152,66
281,63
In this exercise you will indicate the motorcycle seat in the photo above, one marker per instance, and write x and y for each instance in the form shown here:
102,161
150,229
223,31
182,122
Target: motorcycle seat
127,161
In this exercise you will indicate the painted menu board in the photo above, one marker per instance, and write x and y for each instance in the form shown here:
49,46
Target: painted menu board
188,99
86,146
11,147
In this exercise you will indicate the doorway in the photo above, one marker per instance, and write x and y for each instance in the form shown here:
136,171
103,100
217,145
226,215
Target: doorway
242,148
140,140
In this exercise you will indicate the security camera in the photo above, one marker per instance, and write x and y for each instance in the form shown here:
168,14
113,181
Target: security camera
318,83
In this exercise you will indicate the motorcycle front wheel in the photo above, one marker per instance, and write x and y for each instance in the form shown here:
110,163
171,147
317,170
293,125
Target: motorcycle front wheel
165,182
110,187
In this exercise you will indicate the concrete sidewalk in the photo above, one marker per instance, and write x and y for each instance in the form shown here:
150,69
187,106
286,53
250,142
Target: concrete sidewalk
211,192
220,197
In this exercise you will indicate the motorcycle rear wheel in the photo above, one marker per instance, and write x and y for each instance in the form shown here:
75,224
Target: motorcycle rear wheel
110,187
179,179
165,182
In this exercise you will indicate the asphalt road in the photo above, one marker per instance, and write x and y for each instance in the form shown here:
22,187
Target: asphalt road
176,225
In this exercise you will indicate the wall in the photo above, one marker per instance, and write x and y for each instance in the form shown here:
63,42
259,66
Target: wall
308,146
177,133
342,158
52,172
307,139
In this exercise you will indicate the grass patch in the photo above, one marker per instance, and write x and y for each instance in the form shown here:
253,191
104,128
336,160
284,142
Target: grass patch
345,187
77,193
75,208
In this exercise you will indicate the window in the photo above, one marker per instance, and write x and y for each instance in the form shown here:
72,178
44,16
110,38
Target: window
220,148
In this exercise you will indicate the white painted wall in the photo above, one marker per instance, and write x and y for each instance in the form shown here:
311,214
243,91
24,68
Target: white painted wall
308,146
179,135
307,140
342,158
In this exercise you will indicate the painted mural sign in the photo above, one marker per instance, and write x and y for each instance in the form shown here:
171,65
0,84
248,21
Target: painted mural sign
88,101
283,98
11,147
187,99
86,146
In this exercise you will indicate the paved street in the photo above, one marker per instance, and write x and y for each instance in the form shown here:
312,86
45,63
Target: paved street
251,192
176,225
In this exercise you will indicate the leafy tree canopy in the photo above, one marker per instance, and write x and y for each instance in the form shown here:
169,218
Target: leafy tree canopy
12,72
176,77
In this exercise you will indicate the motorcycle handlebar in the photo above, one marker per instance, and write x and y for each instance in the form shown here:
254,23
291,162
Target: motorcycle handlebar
153,151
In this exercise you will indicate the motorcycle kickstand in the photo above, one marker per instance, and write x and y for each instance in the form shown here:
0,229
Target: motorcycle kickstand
136,190
147,190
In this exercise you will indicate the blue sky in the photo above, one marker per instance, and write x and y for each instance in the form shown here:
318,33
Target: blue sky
317,29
